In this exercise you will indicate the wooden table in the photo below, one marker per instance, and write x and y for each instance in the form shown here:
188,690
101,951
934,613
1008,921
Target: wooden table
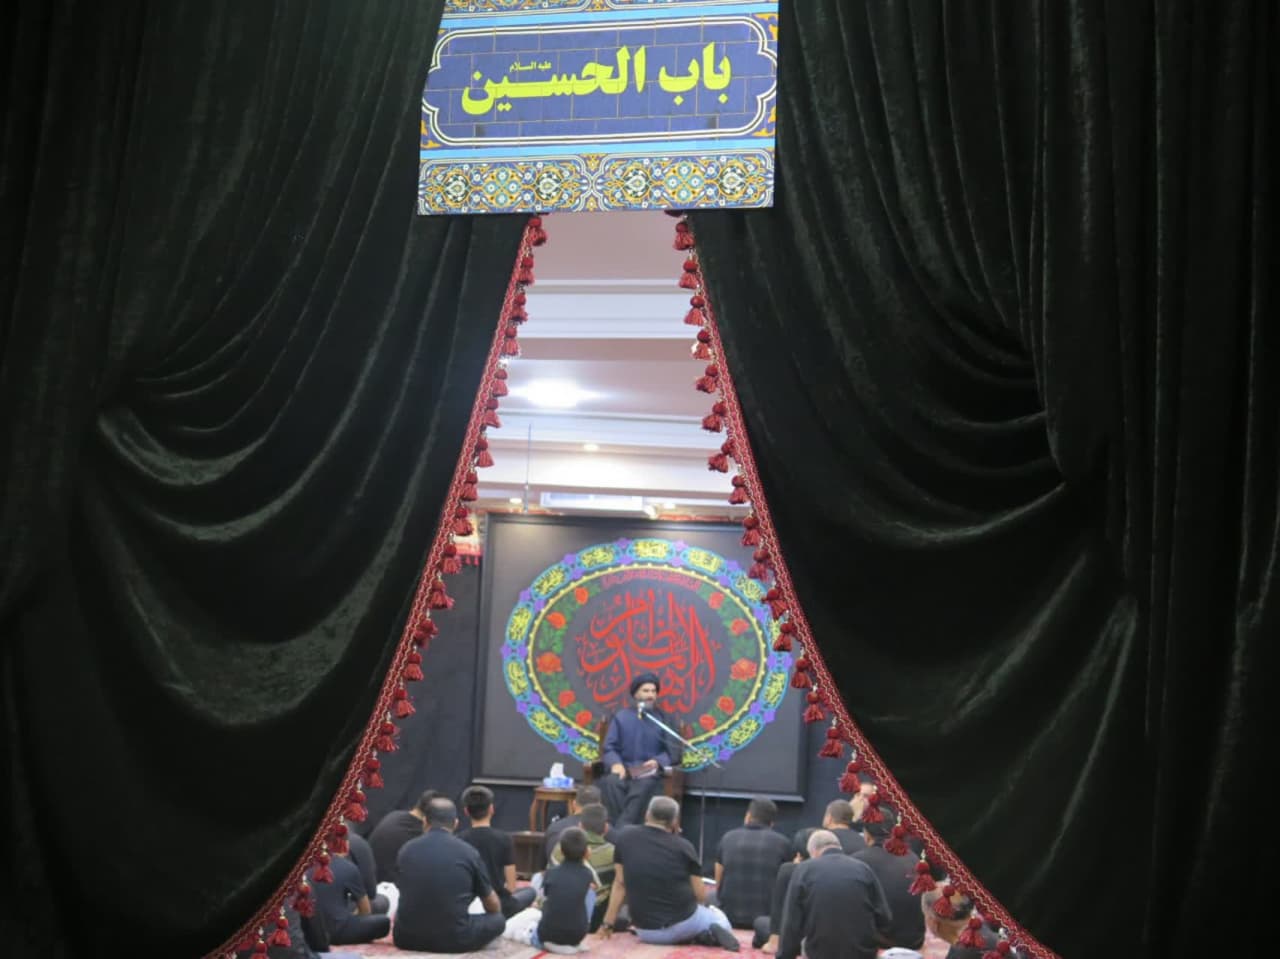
544,796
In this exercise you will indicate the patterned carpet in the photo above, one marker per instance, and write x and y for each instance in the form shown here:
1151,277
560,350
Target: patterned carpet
616,947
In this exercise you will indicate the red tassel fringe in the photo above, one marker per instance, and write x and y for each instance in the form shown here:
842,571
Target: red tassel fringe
338,839
923,881
484,458
872,813
695,317
897,841
684,239
386,743
537,235
971,936
461,527
412,668
833,748
1001,950
355,809
303,904
439,598
372,775
449,562
322,871
709,382
782,644
423,630
403,708
849,782
943,908
281,936
814,714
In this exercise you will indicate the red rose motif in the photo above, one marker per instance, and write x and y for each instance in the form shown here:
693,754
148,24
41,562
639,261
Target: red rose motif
738,627
548,663
583,718
556,619
726,704
707,722
743,669
716,600
580,594
565,698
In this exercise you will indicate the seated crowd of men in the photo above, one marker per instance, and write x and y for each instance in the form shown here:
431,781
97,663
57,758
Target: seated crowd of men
831,891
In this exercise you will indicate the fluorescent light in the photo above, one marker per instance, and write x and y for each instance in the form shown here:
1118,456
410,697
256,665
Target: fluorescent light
552,394
515,500
651,512
591,447
668,506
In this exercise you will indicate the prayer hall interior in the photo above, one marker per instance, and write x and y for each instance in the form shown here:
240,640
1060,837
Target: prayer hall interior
893,571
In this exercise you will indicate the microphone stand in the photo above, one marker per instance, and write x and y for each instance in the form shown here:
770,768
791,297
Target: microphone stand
707,754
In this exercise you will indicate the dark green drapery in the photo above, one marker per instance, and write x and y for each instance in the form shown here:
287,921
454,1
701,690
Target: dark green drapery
1003,348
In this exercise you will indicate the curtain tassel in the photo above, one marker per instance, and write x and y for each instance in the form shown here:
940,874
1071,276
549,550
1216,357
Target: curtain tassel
484,458
689,278
759,565
386,742
850,782
322,871
813,712
338,839
509,345
525,275
372,773
281,935
833,748
423,630
537,235
449,562
303,904
709,382
412,668
800,678
896,844
872,813
944,908
971,936
500,382
684,238
461,527
439,598
923,881
714,422
403,708
739,494
777,604
355,809
751,523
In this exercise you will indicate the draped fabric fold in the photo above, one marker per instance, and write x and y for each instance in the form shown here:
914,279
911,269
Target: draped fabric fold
1004,348
1001,349
238,370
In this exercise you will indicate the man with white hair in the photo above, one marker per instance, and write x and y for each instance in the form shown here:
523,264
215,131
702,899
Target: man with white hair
836,908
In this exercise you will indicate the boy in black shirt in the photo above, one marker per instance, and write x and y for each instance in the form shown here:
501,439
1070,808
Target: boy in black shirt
496,848
568,896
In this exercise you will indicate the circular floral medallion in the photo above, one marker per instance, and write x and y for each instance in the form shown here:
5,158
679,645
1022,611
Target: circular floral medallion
586,626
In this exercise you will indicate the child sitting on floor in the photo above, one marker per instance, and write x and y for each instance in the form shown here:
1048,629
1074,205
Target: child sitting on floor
568,897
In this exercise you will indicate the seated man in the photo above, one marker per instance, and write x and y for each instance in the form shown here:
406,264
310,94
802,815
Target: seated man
583,796
394,830
747,862
635,753
658,876
496,848
838,819
343,906
768,927
896,874
595,825
439,876
835,906
568,897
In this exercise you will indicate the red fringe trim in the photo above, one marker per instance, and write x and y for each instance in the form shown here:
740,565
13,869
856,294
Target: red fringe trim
971,936
897,841
833,748
322,871
372,776
403,708
281,936
944,908
413,667
303,904
923,881
355,809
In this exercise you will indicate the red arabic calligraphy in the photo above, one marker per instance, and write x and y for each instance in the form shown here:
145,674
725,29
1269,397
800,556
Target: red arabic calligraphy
647,632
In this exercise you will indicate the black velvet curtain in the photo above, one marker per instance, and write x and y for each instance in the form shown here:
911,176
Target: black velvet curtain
1005,357
1008,364
237,372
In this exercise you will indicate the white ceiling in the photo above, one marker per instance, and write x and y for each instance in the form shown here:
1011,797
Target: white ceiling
607,316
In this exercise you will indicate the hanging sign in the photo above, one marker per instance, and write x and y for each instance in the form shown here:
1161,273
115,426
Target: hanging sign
572,105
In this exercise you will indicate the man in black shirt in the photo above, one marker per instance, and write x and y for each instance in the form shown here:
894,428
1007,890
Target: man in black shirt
439,877
335,902
496,848
584,796
838,819
896,874
361,854
835,907
394,830
658,876
567,892
768,928
747,862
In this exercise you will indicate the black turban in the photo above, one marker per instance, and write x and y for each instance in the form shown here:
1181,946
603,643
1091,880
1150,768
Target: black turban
642,679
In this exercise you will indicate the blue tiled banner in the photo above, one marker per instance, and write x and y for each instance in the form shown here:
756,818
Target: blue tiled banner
546,105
